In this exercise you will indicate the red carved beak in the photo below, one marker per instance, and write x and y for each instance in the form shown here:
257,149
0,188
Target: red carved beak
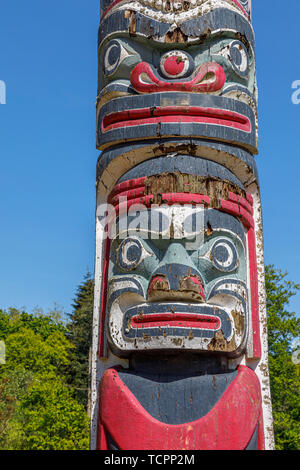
209,78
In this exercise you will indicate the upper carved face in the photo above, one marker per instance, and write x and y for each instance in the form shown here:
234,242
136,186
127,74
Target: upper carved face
194,77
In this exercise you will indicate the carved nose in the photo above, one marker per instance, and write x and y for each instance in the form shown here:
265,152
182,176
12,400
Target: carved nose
176,282
209,77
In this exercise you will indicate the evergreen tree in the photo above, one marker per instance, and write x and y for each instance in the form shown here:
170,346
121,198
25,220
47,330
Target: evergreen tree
80,335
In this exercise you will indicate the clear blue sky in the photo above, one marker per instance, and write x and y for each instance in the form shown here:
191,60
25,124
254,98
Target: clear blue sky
48,59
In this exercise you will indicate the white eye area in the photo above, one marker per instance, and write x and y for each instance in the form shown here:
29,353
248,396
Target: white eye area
224,256
131,253
239,58
114,55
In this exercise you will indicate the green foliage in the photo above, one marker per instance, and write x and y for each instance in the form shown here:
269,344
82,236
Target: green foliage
283,327
37,408
13,320
52,419
30,351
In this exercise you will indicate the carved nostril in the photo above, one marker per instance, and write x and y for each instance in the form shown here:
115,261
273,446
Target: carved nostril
192,285
158,283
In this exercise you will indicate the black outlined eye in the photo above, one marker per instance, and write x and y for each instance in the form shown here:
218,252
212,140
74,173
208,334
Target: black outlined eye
239,58
114,55
131,253
224,256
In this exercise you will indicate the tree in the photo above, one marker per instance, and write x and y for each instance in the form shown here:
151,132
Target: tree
37,406
80,335
283,327
52,419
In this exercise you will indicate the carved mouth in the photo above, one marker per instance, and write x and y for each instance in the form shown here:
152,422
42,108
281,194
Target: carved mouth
184,320
175,320
176,114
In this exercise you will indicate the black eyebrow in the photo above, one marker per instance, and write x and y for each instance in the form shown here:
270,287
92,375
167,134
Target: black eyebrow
213,220
214,21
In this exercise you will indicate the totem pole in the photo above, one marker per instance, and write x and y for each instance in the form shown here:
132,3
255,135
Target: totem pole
180,340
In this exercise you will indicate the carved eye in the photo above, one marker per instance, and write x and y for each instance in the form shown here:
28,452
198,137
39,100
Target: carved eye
114,55
239,58
224,256
131,253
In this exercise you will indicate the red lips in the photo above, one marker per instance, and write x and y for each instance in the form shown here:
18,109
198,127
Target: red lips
183,320
176,114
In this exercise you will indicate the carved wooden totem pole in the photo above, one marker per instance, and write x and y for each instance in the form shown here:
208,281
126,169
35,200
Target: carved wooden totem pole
180,342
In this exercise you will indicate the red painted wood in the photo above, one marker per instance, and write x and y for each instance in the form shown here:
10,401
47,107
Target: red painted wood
176,114
173,65
143,70
241,201
127,186
237,211
229,425
186,320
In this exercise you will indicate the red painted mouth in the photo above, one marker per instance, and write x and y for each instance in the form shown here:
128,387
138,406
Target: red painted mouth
183,320
176,114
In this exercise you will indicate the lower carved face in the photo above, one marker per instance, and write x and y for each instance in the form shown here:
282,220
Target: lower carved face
178,280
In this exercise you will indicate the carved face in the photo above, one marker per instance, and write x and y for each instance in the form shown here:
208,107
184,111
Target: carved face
178,280
164,74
